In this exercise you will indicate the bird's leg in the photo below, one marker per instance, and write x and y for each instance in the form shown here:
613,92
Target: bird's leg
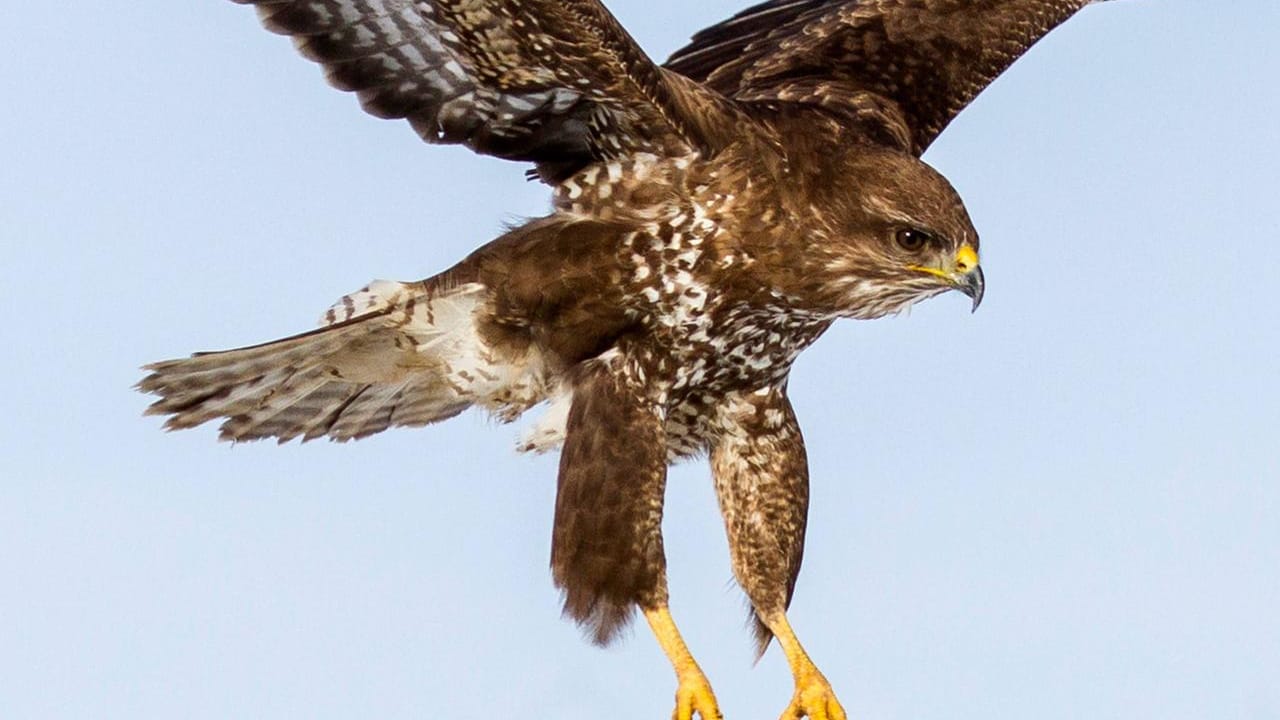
606,543
693,694
606,550
762,481
814,697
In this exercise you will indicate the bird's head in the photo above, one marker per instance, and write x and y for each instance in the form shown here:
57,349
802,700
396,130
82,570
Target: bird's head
896,233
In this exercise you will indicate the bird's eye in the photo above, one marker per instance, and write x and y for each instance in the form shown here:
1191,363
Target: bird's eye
911,240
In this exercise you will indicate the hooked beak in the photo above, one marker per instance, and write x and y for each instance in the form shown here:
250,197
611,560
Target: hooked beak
966,274
972,284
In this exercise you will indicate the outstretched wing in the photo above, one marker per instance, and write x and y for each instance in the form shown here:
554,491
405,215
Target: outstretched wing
548,81
910,65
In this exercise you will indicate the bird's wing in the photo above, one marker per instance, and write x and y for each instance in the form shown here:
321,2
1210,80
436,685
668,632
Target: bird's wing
548,81
911,65
606,549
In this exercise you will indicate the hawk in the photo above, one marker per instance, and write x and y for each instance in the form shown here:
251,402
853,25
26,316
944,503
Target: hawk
711,218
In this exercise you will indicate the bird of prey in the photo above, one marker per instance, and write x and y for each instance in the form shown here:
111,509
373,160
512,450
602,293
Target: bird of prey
711,217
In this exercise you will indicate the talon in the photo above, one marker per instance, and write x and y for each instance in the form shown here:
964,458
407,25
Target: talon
694,695
814,699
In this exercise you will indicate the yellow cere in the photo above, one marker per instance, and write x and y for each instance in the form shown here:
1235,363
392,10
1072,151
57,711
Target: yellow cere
966,258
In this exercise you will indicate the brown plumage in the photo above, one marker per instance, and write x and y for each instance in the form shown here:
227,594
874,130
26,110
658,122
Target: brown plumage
711,218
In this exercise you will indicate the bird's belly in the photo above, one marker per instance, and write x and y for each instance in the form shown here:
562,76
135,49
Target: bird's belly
744,354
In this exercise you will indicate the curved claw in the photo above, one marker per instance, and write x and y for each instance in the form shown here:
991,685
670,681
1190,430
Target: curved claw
814,699
694,696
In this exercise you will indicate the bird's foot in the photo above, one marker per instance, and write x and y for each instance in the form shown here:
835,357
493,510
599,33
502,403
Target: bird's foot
694,696
814,699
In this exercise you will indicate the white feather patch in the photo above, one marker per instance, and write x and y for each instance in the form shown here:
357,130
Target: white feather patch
548,432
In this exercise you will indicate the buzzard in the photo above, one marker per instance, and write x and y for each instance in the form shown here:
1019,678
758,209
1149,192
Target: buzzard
711,217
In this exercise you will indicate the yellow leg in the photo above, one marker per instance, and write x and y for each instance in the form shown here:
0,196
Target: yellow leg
814,697
694,692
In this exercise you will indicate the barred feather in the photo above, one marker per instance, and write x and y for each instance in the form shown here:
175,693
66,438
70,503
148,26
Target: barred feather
390,354
557,82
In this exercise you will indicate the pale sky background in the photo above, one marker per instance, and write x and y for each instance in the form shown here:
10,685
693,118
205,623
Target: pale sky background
1065,506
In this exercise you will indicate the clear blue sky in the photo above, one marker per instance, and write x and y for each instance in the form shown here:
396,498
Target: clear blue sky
1065,506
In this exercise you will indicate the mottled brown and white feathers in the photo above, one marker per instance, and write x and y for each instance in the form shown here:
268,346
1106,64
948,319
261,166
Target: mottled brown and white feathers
700,290
762,482
710,220
556,82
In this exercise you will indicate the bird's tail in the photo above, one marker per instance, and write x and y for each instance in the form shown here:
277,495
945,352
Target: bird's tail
390,354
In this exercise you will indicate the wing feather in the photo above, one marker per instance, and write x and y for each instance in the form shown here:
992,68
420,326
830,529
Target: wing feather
556,82
911,65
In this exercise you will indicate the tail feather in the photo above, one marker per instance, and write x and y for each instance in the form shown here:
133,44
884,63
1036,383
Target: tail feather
389,354
420,406
280,414
229,399
336,397
368,413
